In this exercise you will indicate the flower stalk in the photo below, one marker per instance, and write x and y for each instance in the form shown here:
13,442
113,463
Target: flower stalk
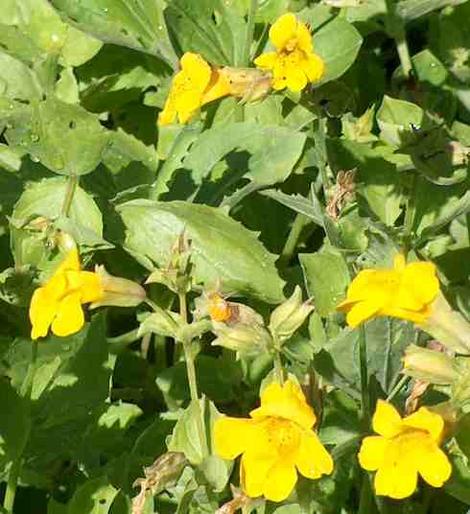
15,470
191,374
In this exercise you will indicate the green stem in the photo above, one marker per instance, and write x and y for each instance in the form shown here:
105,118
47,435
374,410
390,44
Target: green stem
365,396
319,137
278,367
396,29
125,339
403,380
72,184
366,501
293,238
410,213
15,470
191,374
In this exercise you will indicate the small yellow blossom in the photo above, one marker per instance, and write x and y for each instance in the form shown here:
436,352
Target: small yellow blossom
405,448
276,443
194,86
293,64
58,304
407,291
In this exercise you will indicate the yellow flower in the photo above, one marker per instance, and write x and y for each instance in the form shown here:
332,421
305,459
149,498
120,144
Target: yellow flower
407,291
294,63
276,442
58,304
192,87
404,448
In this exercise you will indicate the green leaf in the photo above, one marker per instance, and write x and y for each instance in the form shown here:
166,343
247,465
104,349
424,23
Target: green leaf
93,497
273,150
437,206
17,81
429,68
326,276
71,385
185,436
64,137
45,199
396,117
337,43
138,25
14,424
412,9
209,27
222,250
218,379
297,203
174,159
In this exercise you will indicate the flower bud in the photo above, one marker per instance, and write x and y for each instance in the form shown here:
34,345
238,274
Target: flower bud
448,326
429,365
289,316
249,340
117,291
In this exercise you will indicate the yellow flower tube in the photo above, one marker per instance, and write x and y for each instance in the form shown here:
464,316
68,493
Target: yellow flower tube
276,443
194,86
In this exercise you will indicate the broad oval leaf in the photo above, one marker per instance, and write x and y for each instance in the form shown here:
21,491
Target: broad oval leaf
338,43
45,199
138,25
65,138
95,496
273,150
223,250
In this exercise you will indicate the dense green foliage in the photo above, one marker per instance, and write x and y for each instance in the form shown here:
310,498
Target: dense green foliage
294,189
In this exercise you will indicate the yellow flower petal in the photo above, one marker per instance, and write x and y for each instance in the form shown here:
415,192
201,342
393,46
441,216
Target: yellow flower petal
280,482
71,262
312,459
254,471
427,420
286,402
421,278
314,68
396,480
197,69
283,30
304,38
218,87
434,467
296,80
386,420
69,316
266,61
360,312
91,289
372,452
169,114
232,436
41,312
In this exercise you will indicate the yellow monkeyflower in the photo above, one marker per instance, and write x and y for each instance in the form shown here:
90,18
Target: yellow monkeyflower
293,64
192,87
405,448
407,291
58,304
276,443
